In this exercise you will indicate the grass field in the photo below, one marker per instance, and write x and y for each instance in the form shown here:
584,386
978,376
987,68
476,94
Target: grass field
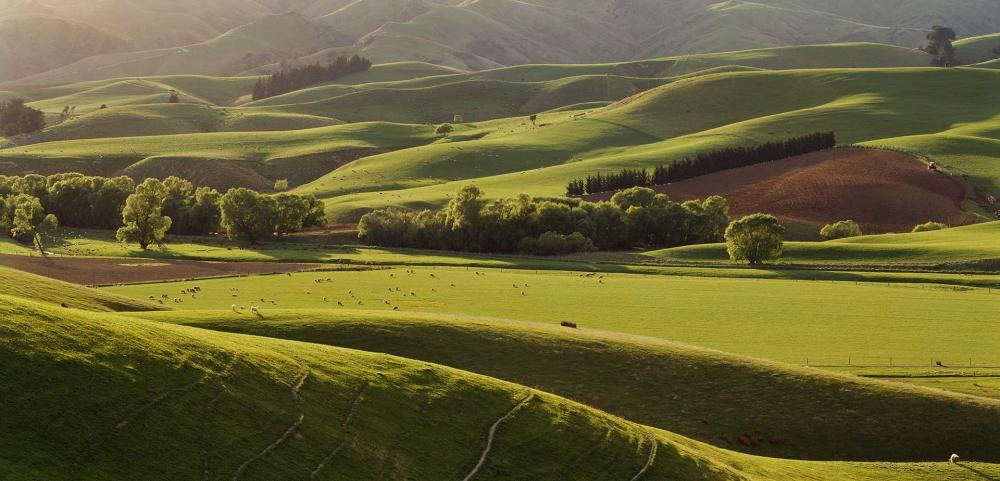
959,245
252,408
782,320
629,376
23,284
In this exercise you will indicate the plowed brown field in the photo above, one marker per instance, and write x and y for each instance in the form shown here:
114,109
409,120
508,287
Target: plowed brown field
882,191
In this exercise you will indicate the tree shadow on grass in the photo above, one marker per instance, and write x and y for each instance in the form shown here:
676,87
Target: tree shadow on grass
979,473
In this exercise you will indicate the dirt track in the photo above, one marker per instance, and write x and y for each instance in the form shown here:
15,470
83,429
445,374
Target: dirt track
882,191
90,271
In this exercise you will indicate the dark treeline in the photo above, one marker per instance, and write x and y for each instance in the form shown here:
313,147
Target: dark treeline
702,164
17,118
295,78
81,201
634,217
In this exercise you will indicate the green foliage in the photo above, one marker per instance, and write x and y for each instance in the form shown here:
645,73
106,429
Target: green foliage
637,216
756,238
17,118
25,213
930,226
444,129
841,230
281,185
554,244
248,215
940,45
142,216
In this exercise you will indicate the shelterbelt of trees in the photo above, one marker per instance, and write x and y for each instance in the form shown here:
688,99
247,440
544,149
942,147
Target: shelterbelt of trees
550,226
145,213
702,164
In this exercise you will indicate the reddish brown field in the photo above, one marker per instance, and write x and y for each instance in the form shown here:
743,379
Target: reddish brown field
91,271
882,191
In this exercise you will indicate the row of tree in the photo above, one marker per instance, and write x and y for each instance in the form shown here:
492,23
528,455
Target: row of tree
294,78
17,118
145,213
702,164
634,217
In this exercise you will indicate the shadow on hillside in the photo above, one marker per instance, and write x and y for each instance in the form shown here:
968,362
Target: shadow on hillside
979,473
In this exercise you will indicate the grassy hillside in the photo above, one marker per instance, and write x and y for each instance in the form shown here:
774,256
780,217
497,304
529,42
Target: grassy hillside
705,113
977,49
30,286
796,321
958,245
276,35
170,119
221,159
778,403
250,408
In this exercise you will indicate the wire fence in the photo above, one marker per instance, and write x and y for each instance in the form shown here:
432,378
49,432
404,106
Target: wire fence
941,363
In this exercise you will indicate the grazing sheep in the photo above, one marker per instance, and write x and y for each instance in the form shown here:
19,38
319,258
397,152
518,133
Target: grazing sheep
325,299
395,308
361,303
256,310
152,298
341,304
523,294
571,325
954,459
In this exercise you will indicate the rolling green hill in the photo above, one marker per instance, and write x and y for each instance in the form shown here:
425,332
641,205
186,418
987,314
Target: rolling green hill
23,284
221,159
775,402
978,49
960,245
797,319
239,407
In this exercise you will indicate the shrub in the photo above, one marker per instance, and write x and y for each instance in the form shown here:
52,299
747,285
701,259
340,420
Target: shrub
554,244
841,230
756,238
444,129
930,226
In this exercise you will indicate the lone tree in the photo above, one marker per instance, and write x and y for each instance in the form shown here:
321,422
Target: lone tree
142,215
756,238
841,230
281,185
444,129
939,44
174,97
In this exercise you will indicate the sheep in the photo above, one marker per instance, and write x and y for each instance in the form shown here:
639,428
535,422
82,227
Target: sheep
341,304
256,310
954,459
235,309
571,325
326,299
152,298
395,308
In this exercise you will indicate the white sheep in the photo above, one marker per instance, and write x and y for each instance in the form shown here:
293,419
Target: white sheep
235,309
954,459
255,310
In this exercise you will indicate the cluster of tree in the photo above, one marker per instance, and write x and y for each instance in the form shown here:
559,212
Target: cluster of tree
295,78
634,217
154,208
841,230
17,118
941,47
23,217
703,164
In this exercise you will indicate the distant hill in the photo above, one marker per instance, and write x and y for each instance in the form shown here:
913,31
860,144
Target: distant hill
470,35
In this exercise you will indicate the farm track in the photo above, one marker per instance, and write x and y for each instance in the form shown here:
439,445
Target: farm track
288,432
492,434
345,427
649,460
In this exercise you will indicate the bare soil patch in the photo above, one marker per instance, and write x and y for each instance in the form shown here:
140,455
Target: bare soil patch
880,190
93,271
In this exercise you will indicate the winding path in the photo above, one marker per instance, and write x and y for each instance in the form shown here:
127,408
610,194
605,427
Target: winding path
493,431
287,434
652,457
345,425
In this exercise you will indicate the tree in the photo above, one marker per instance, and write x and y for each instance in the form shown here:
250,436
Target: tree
142,215
248,215
940,45
26,212
756,238
534,119
444,129
205,216
841,230
174,97
930,226
281,185
638,197
17,118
